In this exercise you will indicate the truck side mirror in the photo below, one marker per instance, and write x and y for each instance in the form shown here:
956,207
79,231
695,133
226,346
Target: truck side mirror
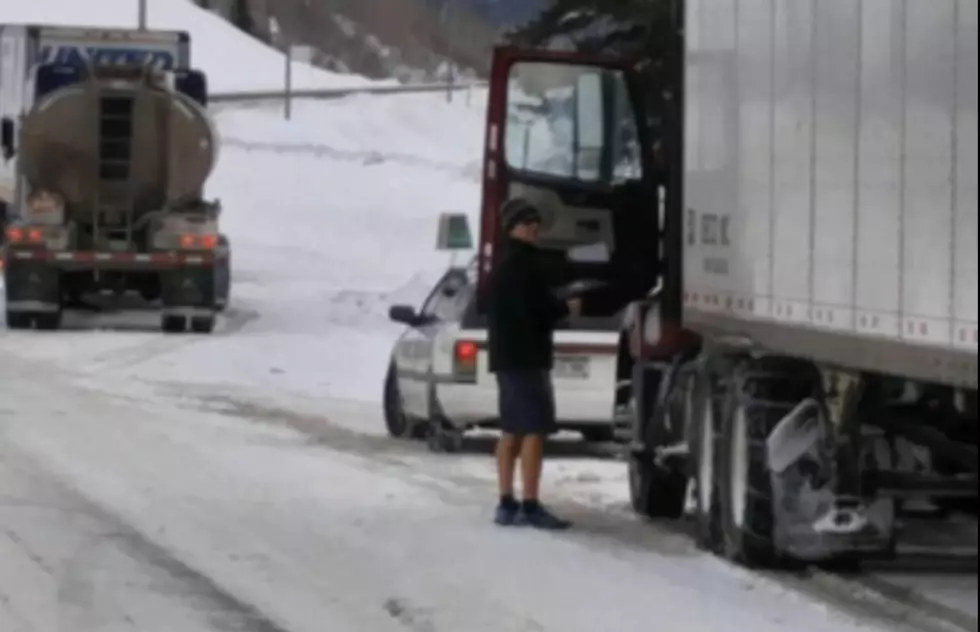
7,143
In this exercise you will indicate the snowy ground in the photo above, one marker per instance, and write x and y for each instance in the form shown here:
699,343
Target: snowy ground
242,481
112,503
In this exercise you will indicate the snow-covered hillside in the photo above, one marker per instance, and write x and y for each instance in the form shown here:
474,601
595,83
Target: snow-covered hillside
233,60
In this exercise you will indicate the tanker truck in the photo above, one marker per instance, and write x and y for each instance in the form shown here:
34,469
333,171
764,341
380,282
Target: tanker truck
107,146
787,195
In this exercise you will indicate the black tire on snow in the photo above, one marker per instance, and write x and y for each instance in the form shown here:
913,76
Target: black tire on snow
655,491
761,391
19,320
598,435
171,324
396,422
48,321
440,435
703,408
441,438
222,281
202,324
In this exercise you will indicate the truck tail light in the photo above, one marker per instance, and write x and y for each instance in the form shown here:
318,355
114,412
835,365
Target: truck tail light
465,354
24,236
190,241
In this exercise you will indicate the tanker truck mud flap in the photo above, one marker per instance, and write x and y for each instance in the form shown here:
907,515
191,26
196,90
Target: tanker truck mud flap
222,274
188,297
811,522
32,292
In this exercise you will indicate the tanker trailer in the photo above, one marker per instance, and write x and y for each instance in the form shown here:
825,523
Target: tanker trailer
113,162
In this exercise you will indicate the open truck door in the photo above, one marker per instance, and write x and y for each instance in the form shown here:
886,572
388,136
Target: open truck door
583,138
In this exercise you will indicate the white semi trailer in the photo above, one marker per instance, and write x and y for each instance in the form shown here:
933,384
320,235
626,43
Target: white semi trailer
788,198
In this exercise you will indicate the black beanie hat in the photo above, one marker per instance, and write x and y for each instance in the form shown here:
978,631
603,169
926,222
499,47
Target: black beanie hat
517,211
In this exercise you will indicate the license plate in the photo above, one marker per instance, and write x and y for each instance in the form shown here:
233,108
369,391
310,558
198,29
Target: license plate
572,368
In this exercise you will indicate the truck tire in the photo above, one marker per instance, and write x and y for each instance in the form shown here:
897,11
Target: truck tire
222,276
396,422
440,434
761,392
150,291
19,320
48,321
171,324
202,324
655,491
441,437
703,437
598,435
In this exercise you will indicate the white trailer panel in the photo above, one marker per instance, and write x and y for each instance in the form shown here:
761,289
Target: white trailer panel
831,180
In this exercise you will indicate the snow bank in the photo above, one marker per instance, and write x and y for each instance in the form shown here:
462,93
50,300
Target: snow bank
424,127
332,217
232,59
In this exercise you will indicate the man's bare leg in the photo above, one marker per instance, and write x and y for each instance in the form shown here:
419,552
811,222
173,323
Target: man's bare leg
508,449
532,458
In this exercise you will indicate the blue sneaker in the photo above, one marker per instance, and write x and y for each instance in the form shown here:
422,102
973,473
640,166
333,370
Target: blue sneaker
538,517
506,514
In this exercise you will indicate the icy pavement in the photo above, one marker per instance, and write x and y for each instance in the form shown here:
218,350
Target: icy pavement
68,566
312,537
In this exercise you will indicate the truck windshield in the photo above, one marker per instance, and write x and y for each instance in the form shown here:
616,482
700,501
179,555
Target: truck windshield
572,122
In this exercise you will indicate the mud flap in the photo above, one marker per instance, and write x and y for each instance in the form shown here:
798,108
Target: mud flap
189,287
31,286
811,522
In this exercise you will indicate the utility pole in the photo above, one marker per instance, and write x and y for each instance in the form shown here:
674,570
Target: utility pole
447,17
288,102
142,15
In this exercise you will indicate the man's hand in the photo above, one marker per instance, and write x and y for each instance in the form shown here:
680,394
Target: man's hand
574,306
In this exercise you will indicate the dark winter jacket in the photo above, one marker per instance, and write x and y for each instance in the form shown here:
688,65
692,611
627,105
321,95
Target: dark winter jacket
521,311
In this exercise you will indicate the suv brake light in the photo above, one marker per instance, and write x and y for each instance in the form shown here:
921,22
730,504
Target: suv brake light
465,353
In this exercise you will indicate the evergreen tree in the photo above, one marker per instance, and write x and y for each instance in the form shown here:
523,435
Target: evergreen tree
637,28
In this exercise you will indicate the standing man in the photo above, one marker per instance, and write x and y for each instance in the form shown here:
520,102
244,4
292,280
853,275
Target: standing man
522,314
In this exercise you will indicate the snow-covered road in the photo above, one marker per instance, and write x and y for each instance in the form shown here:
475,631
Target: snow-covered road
68,566
113,502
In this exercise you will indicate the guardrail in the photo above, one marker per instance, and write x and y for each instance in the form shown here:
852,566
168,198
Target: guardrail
337,93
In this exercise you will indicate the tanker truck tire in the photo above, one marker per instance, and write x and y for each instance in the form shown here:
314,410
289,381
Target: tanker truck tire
18,320
42,321
202,324
48,321
222,276
171,324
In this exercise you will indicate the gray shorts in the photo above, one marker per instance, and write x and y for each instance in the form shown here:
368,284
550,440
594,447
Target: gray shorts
526,402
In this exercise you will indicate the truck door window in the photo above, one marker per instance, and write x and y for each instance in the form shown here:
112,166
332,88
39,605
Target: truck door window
572,122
